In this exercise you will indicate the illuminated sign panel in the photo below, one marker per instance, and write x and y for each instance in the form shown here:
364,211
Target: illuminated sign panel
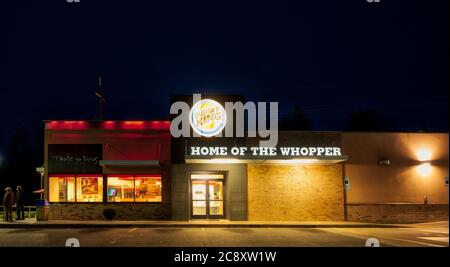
207,117
266,151
74,158
265,155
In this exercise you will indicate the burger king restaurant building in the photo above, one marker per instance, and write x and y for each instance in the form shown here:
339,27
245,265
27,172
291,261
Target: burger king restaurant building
138,169
375,177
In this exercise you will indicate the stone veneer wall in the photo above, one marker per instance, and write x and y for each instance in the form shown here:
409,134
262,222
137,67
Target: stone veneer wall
295,192
397,213
124,211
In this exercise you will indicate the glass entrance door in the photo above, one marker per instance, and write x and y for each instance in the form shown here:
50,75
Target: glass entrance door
207,199
215,200
199,198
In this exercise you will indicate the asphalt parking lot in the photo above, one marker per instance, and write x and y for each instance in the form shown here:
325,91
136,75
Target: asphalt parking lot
420,235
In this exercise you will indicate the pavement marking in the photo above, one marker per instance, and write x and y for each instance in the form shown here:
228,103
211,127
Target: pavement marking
410,241
132,230
358,235
435,238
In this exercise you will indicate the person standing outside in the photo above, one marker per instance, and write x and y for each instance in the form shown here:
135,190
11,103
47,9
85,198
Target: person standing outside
20,201
8,201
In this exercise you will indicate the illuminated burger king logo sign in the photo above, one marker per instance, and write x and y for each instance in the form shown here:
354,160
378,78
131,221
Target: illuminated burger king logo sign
207,117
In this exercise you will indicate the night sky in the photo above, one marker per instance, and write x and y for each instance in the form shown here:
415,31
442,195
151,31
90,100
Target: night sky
330,58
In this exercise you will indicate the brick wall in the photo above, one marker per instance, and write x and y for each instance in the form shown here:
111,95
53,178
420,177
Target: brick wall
295,192
397,213
124,211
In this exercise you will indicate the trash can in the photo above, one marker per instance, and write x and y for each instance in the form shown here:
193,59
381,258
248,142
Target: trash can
42,209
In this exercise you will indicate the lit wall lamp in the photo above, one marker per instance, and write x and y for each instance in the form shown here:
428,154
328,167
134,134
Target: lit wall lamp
424,156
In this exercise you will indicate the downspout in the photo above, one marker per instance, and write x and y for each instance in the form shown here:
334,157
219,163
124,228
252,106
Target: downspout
345,192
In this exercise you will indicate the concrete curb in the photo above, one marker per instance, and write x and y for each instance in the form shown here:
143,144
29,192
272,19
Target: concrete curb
190,225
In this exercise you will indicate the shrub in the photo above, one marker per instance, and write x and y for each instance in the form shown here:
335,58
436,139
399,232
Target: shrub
109,214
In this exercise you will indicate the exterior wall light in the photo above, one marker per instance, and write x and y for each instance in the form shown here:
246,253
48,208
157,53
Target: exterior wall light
224,160
301,161
384,162
424,156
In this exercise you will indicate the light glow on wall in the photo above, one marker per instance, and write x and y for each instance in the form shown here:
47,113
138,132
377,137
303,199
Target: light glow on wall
292,161
301,161
424,154
224,160
424,169
206,176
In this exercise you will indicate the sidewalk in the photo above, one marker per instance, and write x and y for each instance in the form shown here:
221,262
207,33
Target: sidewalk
32,223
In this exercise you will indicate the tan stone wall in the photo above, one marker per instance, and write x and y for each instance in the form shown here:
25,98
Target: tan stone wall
397,213
401,181
295,192
124,211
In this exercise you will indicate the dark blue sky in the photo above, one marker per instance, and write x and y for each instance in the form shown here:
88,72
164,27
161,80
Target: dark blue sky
328,57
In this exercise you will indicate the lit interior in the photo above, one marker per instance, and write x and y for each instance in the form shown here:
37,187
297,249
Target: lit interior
62,188
89,189
207,193
148,188
139,188
120,189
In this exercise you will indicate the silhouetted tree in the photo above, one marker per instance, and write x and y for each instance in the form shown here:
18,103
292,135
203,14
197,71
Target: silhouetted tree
295,121
366,121
20,164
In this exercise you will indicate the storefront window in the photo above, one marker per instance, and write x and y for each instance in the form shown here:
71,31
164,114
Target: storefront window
138,188
62,188
148,188
120,188
89,189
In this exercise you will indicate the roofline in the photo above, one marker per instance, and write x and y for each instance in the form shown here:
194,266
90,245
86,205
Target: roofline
47,120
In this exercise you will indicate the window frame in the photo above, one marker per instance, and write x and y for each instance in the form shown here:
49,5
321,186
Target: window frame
134,175
120,175
105,187
88,176
63,176
75,176
224,181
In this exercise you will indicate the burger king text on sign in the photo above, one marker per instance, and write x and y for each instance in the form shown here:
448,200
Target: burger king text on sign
207,117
